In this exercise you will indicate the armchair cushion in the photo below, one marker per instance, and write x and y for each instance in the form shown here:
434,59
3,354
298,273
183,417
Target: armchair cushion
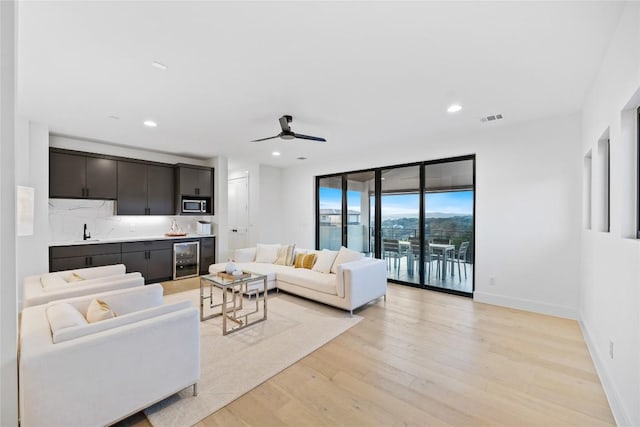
62,316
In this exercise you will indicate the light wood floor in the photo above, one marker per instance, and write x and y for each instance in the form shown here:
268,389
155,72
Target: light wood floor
425,358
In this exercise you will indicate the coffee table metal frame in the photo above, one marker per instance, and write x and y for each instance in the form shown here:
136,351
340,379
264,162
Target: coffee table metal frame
232,305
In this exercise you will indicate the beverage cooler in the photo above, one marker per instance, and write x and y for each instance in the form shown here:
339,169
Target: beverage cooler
186,259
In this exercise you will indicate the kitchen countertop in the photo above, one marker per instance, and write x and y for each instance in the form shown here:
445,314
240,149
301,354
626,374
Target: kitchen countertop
127,239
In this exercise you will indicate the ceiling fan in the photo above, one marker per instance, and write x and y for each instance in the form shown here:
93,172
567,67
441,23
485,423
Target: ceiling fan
287,133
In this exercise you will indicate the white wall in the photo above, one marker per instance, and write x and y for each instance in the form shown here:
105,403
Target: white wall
32,170
527,207
610,267
8,294
270,207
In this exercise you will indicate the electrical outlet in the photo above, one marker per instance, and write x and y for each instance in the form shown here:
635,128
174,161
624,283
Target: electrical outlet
492,281
611,349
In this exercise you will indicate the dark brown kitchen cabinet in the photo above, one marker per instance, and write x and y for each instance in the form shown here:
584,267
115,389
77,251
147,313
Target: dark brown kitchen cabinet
195,181
82,256
145,189
153,259
76,176
207,253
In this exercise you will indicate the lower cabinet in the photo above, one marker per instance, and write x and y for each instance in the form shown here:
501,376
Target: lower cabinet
153,259
207,253
83,256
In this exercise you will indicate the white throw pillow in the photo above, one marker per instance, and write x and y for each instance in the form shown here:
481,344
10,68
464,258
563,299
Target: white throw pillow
266,253
324,261
52,280
244,255
64,315
345,255
99,310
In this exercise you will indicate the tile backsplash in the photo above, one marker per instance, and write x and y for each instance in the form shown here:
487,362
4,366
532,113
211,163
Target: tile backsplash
68,216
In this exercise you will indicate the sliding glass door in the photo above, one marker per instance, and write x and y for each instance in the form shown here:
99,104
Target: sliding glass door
448,225
400,214
419,218
330,212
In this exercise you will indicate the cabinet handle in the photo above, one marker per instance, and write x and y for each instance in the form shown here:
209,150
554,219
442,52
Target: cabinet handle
197,191
86,259
86,192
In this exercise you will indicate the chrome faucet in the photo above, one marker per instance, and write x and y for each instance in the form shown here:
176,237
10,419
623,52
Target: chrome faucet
86,235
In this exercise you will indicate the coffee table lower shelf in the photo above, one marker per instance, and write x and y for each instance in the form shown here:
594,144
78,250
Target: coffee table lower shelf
232,304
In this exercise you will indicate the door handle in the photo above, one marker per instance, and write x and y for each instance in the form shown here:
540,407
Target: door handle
235,230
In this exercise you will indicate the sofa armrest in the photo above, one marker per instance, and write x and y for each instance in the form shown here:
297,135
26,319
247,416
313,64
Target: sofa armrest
35,295
125,368
362,280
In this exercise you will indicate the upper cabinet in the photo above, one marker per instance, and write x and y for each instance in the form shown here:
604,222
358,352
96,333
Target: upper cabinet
195,181
145,189
77,176
139,187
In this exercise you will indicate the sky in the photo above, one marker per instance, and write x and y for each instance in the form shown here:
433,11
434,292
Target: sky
454,202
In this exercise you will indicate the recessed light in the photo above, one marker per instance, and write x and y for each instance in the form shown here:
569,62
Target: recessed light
150,123
275,153
454,108
301,158
159,65
114,117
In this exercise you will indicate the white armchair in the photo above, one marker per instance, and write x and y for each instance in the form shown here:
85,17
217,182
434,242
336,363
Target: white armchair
44,288
77,373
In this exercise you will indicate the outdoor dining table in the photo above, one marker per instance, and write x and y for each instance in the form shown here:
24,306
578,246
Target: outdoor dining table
444,249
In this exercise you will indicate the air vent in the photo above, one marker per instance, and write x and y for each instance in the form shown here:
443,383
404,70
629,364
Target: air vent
301,158
491,118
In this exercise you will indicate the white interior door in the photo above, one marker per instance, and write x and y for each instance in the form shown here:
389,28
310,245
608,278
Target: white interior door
238,213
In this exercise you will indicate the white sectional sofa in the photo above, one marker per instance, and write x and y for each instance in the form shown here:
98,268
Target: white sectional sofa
92,374
47,287
350,285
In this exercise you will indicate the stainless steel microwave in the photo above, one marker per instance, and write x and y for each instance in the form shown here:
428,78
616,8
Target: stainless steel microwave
194,206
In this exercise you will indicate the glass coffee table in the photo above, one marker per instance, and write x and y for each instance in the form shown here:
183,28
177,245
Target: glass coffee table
233,307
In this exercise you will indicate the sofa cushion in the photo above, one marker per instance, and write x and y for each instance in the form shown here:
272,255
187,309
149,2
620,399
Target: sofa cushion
345,255
321,282
99,310
63,315
266,253
324,261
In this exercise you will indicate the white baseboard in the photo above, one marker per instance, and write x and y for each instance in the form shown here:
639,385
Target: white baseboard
615,403
528,305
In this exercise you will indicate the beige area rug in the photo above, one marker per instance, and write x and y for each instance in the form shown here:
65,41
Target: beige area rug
234,364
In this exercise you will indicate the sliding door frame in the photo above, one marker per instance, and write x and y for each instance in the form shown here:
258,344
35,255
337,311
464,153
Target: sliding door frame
378,216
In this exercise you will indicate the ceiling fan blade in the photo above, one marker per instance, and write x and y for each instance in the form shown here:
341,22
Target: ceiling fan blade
284,123
310,138
265,139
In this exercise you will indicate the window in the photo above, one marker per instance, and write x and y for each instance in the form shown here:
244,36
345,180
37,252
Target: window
638,177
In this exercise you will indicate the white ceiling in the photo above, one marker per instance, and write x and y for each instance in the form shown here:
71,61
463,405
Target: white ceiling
363,75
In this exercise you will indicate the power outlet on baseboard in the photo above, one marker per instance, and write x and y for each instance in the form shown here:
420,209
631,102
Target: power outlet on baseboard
492,281
611,349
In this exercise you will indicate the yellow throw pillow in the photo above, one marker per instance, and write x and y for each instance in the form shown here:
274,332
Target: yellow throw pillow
309,260
75,277
99,310
299,261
